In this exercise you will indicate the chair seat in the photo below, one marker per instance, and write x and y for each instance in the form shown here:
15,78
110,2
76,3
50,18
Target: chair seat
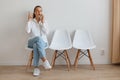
60,47
30,49
84,47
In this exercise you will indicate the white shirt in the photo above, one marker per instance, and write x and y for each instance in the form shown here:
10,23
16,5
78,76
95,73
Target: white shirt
37,29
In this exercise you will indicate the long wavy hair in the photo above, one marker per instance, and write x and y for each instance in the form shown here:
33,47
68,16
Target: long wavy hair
34,10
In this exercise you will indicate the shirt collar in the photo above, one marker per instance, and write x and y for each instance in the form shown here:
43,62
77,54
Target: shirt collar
36,21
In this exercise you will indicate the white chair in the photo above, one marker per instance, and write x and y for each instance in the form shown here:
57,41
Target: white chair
31,55
83,42
61,41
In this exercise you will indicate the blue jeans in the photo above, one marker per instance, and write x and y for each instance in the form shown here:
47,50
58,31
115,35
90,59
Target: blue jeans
38,46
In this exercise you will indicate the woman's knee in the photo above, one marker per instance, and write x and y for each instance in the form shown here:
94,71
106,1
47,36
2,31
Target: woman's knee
38,39
34,45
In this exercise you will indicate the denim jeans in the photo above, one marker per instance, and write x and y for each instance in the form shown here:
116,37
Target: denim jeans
38,46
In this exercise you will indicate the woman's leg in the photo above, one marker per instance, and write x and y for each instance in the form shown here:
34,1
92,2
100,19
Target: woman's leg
39,52
35,56
32,41
41,48
38,46
36,70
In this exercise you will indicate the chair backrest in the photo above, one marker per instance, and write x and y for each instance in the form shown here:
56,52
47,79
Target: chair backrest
83,40
61,40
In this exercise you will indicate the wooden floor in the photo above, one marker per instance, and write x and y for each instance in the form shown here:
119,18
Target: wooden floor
84,72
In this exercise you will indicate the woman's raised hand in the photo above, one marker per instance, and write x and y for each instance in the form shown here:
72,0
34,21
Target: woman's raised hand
30,16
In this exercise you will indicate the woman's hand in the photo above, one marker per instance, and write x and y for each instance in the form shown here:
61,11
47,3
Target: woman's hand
42,18
30,16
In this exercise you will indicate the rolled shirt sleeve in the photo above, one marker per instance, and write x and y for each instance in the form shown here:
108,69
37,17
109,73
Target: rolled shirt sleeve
28,26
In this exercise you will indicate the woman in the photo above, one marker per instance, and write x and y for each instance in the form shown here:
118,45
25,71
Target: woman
37,29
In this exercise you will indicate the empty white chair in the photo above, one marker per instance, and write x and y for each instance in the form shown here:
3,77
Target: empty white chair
61,42
83,42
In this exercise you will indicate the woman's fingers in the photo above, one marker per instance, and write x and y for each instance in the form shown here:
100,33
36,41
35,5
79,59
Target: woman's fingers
30,16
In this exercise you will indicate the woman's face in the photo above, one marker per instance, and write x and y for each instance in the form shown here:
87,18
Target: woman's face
38,12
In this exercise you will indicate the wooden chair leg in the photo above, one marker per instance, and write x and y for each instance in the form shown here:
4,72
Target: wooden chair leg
68,57
76,59
90,58
54,58
30,60
67,60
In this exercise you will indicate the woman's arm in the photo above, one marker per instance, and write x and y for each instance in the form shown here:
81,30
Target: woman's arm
44,24
28,26
29,23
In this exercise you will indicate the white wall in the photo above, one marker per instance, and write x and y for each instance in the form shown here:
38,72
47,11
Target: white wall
93,15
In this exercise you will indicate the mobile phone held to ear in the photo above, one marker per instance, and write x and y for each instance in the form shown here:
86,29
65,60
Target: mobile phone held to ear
42,18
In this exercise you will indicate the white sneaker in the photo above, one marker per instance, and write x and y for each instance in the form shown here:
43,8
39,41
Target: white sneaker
46,65
36,72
